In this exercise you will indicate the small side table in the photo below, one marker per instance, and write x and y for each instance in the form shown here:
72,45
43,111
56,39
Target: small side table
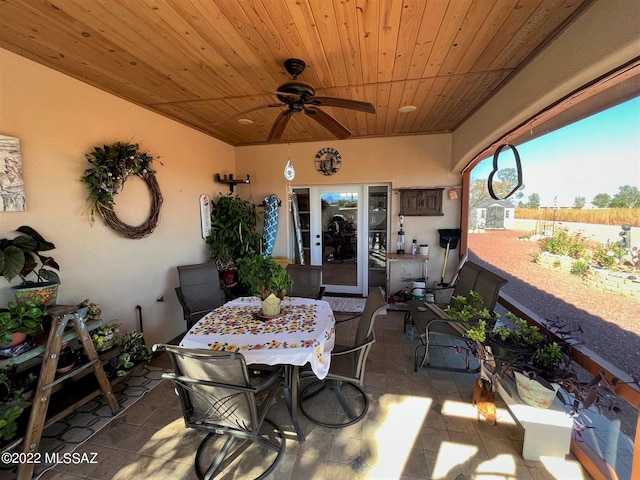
394,258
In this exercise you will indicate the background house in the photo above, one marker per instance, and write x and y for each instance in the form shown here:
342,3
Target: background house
59,119
492,214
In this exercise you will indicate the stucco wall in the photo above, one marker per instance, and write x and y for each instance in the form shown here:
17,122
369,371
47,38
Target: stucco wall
410,161
604,37
58,120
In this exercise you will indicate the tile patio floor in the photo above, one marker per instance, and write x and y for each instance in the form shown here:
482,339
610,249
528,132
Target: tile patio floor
419,426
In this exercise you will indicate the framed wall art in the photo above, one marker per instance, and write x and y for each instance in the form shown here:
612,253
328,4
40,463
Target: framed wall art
12,197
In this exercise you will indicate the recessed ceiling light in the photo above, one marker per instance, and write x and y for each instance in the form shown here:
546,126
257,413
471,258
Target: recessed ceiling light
407,109
245,121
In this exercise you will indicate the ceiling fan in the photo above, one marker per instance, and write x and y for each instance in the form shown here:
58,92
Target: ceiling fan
298,96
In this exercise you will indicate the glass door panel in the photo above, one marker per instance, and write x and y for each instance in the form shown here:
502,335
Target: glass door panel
377,224
339,215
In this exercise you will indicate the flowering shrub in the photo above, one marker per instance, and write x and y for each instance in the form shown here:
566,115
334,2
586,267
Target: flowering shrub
564,243
608,256
612,256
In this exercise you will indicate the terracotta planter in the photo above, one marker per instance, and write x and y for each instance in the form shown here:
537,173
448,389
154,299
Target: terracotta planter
47,293
21,343
18,338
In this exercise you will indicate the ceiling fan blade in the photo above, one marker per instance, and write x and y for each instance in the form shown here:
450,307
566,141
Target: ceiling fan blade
342,103
253,109
328,122
279,125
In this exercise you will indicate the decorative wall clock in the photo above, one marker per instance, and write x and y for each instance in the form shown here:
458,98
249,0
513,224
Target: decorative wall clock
328,161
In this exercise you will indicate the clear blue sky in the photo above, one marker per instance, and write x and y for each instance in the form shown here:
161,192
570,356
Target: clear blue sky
595,155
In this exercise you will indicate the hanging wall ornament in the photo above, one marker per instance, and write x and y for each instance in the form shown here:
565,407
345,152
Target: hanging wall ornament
328,161
289,174
516,157
111,166
289,171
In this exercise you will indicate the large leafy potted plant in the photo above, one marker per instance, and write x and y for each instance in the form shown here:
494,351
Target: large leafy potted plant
514,339
20,257
547,372
233,231
266,279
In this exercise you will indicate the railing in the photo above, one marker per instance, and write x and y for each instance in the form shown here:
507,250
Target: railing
597,467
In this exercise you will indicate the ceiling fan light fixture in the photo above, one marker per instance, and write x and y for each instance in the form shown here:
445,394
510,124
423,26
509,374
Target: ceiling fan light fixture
407,109
245,121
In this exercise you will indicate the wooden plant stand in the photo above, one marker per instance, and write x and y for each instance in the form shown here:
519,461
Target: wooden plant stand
61,315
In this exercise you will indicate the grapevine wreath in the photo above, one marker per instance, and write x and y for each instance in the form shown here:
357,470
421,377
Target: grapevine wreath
112,165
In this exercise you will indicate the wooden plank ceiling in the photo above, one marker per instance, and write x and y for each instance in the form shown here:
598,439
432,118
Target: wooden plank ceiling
201,61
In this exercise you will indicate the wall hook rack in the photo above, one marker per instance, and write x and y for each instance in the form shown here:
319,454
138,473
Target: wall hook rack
229,180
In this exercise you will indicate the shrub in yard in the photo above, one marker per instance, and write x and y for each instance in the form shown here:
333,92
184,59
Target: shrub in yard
579,268
607,256
564,243
535,256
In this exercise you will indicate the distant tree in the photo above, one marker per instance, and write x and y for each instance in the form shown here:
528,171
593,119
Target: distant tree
601,200
504,181
627,197
579,202
533,201
478,192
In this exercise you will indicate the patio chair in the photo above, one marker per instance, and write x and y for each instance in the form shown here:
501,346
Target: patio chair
307,281
346,375
200,290
433,321
218,396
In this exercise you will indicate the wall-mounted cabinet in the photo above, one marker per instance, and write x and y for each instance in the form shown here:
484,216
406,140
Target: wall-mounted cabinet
421,202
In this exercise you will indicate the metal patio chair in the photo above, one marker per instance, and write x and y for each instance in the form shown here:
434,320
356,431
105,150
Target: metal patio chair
219,396
200,290
307,281
346,374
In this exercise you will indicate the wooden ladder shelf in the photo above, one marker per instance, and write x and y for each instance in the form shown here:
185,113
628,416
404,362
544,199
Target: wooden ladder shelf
61,315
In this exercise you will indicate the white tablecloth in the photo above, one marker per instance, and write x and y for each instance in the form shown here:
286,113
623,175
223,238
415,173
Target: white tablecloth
303,333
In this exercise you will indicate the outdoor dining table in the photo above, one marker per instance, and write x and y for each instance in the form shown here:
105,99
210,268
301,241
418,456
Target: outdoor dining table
302,334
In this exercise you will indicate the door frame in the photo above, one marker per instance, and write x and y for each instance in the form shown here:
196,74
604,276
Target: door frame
315,210
317,252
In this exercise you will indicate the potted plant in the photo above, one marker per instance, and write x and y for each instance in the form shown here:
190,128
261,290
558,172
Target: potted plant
266,279
221,255
9,422
134,350
548,372
473,311
21,257
233,229
14,390
517,339
105,337
18,321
